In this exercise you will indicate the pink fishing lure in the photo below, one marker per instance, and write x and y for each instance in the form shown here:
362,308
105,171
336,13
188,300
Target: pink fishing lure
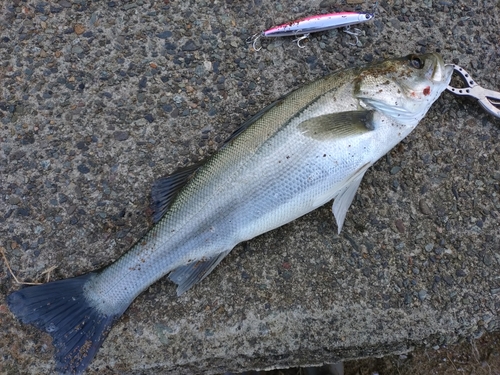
313,24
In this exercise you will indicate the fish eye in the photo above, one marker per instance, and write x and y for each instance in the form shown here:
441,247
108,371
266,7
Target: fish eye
416,62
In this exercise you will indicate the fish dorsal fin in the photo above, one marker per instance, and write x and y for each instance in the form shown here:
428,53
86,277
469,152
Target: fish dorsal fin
166,188
338,125
253,119
344,199
190,274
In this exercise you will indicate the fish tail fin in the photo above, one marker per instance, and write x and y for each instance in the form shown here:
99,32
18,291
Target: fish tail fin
61,309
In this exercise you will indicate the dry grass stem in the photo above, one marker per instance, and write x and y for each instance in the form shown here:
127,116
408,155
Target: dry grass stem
47,272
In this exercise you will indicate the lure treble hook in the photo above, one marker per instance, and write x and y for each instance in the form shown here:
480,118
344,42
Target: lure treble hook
305,36
354,33
253,40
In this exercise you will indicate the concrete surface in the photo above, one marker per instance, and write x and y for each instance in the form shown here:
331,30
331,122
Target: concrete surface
98,99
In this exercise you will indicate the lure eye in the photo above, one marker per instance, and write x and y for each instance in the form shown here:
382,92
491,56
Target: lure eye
416,62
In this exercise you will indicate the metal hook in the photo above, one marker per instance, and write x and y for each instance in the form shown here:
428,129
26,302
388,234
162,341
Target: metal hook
253,39
305,36
354,33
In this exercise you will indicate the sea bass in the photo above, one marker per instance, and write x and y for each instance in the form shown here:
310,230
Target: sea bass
309,147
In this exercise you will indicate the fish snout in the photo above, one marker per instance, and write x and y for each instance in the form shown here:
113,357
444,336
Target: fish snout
440,72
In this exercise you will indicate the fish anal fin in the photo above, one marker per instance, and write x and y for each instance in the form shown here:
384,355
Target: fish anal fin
190,274
338,125
166,188
343,200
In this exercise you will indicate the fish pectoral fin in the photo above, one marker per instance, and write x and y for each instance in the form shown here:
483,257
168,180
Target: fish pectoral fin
338,125
344,199
190,274
166,188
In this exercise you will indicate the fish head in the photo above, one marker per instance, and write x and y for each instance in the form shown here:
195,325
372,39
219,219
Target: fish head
404,88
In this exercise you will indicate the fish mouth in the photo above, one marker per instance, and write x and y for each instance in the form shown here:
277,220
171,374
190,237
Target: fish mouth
439,71
449,69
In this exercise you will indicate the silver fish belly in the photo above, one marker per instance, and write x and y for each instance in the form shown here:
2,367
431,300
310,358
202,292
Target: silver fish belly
310,147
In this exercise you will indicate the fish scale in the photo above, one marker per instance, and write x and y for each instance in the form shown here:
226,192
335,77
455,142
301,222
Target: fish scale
310,147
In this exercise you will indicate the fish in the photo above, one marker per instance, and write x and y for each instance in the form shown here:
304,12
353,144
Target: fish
309,147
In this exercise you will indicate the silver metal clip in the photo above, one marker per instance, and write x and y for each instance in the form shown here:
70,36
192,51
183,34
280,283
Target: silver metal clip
489,99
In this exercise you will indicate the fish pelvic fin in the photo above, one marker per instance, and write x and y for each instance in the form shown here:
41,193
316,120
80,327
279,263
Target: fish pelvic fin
60,308
346,195
190,274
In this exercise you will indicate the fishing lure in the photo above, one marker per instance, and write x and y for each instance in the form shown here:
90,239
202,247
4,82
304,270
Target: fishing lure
313,24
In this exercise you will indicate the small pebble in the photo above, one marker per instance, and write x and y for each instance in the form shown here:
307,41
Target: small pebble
79,29
164,35
422,294
22,211
14,200
190,46
121,135
460,272
424,208
82,168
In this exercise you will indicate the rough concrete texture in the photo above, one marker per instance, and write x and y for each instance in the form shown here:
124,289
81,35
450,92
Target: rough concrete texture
98,99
